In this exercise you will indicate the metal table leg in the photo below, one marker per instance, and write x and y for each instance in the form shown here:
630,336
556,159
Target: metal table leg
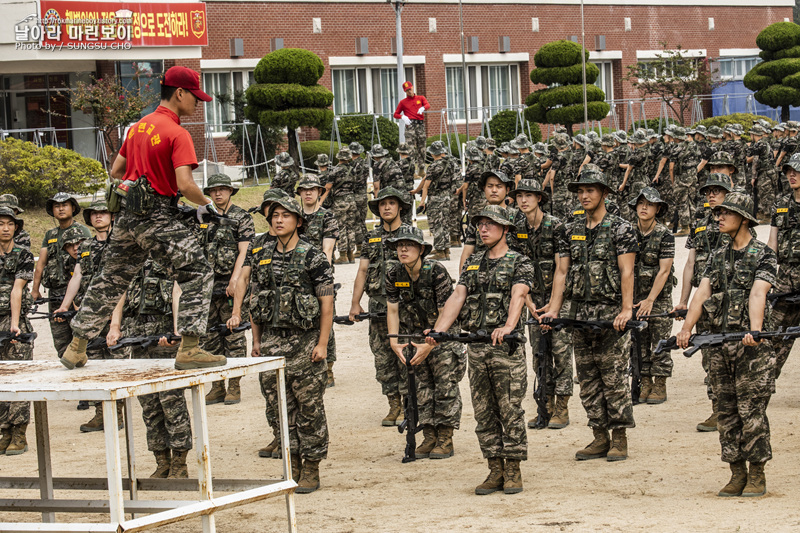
203,456
43,454
134,490
280,377
113,460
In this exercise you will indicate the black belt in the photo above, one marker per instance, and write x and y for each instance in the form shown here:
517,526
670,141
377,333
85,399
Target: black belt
280,332
415,121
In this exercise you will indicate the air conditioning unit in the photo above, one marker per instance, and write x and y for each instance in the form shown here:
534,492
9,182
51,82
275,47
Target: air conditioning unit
275,43
573,38
362,46
504,44
599,42
394,46
472,45
237,47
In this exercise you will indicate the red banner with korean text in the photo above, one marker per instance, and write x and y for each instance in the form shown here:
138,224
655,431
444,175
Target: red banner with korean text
130,23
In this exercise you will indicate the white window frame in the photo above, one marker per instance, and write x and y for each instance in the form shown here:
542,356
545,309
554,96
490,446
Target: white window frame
482,100
246,73
368,86
735,63
601,66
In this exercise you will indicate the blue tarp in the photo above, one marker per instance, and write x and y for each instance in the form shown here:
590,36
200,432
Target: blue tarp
737,102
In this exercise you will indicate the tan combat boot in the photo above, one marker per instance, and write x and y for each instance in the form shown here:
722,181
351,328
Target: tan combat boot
163,459
444,443
756,481
560,418
234,393
357,253
190,356
395,416
512,477
341,260
494,481
267,450
351,258
96,423
19,444
598,448
423,451
5,440
647,388
331,381
455,243
297,465
710,423
737,482
659,394
217,393
75,354
177,467
440,255
309,477
619,445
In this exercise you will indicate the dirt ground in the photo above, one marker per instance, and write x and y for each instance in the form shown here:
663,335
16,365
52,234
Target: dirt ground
668,483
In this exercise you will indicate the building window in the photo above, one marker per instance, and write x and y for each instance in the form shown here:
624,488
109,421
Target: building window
224,87
606,79
492,87
367,90
142,76
734,68
649,71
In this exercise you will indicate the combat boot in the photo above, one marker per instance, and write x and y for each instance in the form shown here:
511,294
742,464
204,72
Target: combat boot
75,354
5,440
267,450
395,416
331,381
659,394
217,393
737,482
710,423
494,481
455,243
598,448
96,423
341,260
683,231
440,255
234,393
350,257
647,388
423,451
619,445
560,418
177,467
190,356
309,477
297,465
357,253
444,443
512,477
19,444
163,459
756,481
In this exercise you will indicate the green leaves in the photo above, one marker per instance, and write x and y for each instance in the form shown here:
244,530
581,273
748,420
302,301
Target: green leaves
559,54
280,96
776,81
779,36
289,65
565,75
503,126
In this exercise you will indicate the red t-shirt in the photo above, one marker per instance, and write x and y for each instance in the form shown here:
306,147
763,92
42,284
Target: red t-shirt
155,147
410,106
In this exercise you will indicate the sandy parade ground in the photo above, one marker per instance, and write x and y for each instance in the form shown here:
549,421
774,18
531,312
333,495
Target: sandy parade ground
668,483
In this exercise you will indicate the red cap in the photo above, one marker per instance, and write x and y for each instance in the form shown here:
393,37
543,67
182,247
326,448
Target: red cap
407,85
185,78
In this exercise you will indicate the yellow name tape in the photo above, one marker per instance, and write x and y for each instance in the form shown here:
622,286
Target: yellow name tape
701,228
375,239
256,250
579,212
265,261
473,267
86,254
402,284
52,241
522,235
203,226
782,210
579,237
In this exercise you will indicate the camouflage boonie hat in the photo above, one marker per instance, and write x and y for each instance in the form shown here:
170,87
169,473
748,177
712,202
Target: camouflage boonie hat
9,200
390,192
378,151
291,205
792,125
437,148
284,159
651,195
495,213
322,161
9,212
793,162
739,203
60,198
651,134
499,174
220,180
97,205
756,129
503,148
620,136
271,195
408,233
716,179
510,150
560,141
521,142
593,136
714,132
73,235
722,159
403,148
540,148
560,129
491,144
590,175
480,142
344,154
607,140
356,148
679,133
779,127
531,186
473,153
581,140
309,181
639,137
701,130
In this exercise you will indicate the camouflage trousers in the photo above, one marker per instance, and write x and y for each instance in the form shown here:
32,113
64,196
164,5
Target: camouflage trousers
621,199
389,370
331,347
498,381
601,361
439,220
15,413
767,186
665,190
456,211
657,329
743,379
783,315
703,325
346,213
171,244
559,376
61,331
305,391
438,376
361,226
561,203
415,137
684,191
104,352
233,345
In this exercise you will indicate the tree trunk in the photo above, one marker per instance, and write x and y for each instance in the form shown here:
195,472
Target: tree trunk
293,149
785,115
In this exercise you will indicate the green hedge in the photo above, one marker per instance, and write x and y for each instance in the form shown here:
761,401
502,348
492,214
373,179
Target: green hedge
503,124
570,94
290,118
778,95
311,149
565,75
755,81
745,119
559,54
289,65
794,51
280,96
792,81
779,68
778,36
574,114
359,129
536,113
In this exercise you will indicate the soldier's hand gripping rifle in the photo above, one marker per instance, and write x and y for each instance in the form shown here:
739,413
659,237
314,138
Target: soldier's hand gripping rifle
700,341
25,338
791,297
410,422
190,214
345,319
147,341
66,315
680,313
544,362
481,336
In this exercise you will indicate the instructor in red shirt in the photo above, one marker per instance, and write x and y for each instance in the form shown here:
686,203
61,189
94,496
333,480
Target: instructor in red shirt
410,110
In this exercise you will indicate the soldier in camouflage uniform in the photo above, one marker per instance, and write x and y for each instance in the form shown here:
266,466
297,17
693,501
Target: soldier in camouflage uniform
636,177
595,274
764,175
225,247
492,160
790,142
376,260
341,186
526,167
490,295
733,294
23,238
16,270
510,162
322,163
437,186
654,279
286,178
406,164
361,171
557,177
51,270
291,274
417,289
386,172
456,201
471,191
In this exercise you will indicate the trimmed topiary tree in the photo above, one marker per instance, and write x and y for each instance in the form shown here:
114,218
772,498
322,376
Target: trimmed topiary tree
359,129
776,81
559,63
286,93
504,124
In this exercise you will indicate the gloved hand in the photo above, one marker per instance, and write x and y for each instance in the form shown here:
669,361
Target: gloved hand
421,110
406,120
206,209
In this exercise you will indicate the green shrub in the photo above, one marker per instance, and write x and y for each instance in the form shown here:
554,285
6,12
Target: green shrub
570,94
559,54
290,118
565,75
290,65
745,119
359,129
35,174
573,114
779,68
789,52
778,95
778,36
536,113
503,126
755,81
311,149
280,96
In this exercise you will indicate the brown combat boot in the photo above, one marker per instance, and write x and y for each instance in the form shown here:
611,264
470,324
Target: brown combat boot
440,255
75,354
455,243
423,451
5,440
267,450
19,443
96,423
494,481
710,423
756,481
395,416
647,388
357,253
619,445
163,459
234,393
684,230
309,477
659,394
341,260
217,393
737,482
351,258
512,477
560,418
331,380
444,443
177,467
190,356
598,448
297,465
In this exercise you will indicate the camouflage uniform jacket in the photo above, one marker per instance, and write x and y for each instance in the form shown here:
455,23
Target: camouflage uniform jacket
389,174
475,197
16,264
90,257
23,239
221,242
58,270
149,293
381,259
491,162
343,178
408,169
286,179
786,218
361,172
419,300
540,246
320,225
440,175
704,238
657,245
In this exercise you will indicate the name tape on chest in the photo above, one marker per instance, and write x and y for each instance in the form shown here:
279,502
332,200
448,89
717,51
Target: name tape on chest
52,241
402,284
782,210
375,239
579,237
473,267
86,254
522,235
265,262
701,228
203,226
256,250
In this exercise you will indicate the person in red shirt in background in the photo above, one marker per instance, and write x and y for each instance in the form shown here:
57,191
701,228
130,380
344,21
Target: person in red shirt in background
155,162
410,110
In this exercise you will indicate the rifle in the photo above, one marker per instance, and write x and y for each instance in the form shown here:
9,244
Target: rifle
636,365
699,341
345,319
594,326
410,422
40,301
480,336
224,331
7,336
190,213
544,361
791,297
146,342
680,313
66,315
